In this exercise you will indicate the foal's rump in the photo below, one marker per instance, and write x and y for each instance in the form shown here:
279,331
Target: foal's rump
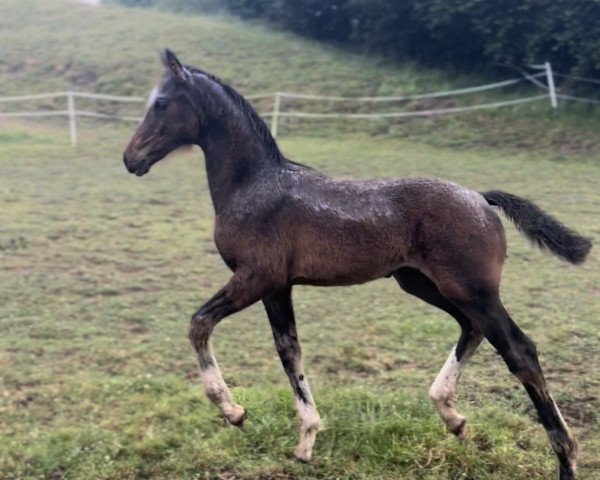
456,238
467,250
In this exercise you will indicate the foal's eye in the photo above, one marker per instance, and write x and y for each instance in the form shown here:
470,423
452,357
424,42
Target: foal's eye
161,103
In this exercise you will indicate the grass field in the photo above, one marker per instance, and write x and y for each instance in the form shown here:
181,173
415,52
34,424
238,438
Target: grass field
100,272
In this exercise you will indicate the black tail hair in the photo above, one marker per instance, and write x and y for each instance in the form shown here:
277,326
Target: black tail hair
541,228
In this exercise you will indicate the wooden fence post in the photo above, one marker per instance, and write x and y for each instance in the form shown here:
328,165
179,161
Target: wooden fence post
72,120
551,88
275,116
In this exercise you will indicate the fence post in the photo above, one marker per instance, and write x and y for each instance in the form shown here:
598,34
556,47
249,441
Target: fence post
551,88
72,121
275,116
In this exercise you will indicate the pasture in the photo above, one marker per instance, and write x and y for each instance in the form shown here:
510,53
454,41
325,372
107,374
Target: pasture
101,272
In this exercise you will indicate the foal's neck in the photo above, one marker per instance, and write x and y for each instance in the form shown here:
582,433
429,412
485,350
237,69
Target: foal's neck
237,154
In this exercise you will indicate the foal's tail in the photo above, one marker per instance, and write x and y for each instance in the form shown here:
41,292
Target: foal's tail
541,228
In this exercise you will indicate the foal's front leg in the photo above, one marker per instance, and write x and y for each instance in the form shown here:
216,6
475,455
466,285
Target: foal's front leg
243,289
281,316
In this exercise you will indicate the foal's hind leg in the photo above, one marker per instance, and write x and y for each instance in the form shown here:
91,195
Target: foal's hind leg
443,389
520,354
281,316
243,289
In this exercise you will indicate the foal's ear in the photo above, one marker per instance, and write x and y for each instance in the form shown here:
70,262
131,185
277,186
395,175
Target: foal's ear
173,65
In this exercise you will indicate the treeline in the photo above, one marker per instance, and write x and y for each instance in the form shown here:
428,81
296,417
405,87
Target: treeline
464,34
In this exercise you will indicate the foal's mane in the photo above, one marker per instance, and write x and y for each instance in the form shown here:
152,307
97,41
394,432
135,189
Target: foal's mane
256,122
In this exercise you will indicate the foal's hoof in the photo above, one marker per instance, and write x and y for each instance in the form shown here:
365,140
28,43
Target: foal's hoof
302,454
236,417
458,426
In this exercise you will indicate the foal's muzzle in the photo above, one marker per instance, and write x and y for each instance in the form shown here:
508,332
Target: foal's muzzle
139,168
130,168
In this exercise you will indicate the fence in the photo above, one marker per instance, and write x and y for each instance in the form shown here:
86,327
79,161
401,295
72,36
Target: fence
551,93
71,111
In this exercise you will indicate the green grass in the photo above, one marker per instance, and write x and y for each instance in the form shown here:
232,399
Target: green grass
100,272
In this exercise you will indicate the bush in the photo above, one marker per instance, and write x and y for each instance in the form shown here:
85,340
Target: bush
464,34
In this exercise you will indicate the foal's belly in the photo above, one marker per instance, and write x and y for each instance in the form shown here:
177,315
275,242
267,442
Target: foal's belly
346,256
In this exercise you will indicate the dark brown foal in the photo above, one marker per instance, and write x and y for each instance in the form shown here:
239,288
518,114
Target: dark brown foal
279,223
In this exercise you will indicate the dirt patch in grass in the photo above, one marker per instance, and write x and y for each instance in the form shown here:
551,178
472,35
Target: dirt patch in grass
581,412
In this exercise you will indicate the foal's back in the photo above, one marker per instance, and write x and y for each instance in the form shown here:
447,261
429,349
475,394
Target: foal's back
313,229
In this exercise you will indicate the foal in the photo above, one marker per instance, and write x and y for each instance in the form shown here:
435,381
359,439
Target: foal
279,223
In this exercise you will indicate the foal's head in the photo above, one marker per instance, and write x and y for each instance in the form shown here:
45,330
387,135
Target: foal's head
173,118
191,106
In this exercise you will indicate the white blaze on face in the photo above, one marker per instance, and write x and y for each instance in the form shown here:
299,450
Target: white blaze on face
152,97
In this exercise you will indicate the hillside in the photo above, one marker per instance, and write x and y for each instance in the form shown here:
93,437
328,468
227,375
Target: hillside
113,50
63,44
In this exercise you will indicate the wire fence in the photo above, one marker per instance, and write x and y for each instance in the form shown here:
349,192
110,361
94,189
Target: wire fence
551,94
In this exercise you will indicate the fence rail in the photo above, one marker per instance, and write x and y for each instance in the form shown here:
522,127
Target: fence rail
417,113
420,96
551,93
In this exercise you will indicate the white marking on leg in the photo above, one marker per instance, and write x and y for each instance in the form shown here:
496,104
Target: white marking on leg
443,389
571,446
309,421
445,383
217,391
